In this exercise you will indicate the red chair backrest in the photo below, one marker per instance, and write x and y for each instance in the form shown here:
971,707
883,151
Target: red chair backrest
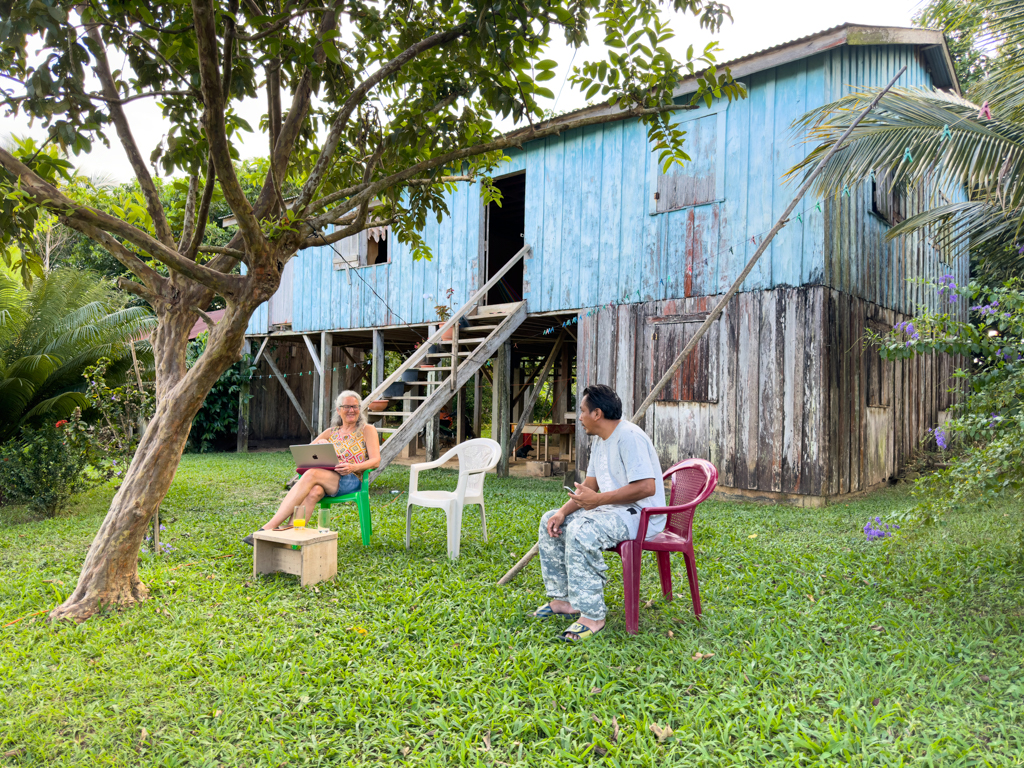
693,480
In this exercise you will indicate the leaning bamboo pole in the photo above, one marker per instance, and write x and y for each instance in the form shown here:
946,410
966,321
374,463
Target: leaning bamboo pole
720,307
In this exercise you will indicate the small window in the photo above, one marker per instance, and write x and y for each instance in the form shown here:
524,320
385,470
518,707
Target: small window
888,199
695,380
694,182
363,249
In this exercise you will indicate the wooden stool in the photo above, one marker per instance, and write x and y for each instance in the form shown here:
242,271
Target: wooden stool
311,555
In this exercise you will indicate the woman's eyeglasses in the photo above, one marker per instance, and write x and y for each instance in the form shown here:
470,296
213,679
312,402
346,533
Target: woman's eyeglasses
348,408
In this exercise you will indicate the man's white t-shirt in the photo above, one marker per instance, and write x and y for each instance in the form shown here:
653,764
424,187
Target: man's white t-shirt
626,456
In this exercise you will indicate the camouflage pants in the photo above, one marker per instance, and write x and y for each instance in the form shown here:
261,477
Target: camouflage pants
573,563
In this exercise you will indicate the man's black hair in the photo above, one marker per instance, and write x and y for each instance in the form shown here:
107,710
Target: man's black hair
602,396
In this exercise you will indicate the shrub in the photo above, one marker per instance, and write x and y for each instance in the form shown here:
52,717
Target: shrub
120,409
218,418
984,435
45,467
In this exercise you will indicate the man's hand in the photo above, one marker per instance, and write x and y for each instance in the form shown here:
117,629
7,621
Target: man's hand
555,524
344,469
585,496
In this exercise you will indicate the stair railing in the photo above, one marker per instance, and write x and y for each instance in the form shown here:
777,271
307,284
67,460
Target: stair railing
423,350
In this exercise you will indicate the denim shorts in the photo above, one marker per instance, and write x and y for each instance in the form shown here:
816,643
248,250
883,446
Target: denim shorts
347,484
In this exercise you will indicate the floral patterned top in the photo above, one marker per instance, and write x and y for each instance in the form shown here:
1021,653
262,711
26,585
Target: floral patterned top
351,449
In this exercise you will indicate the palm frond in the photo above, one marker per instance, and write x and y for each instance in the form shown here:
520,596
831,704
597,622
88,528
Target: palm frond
61,406
918,135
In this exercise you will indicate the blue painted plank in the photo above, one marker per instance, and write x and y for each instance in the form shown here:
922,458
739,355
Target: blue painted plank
611,202
568,294
533,220
760,177
733,220
592,179
474,214
790,104
633,208
554,175
813,254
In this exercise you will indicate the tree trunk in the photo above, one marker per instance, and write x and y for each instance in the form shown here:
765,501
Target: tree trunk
110,575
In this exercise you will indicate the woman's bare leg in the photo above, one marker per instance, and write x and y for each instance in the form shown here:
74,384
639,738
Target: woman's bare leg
300,493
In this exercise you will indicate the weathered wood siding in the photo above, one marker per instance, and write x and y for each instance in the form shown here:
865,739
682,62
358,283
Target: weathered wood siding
594,225
796,403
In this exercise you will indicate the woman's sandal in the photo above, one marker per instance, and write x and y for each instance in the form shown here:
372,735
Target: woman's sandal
545,612
582,632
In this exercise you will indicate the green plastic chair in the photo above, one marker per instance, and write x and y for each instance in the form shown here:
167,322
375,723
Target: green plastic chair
362,500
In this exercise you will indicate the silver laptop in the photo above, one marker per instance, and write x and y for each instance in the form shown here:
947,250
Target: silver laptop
322,456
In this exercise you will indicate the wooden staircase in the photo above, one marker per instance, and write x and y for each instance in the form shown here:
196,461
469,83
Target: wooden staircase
445,366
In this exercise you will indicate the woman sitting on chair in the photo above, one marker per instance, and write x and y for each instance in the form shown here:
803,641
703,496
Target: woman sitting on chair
358,449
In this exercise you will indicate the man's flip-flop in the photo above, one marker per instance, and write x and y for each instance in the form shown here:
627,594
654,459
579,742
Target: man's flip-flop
582,632
546,612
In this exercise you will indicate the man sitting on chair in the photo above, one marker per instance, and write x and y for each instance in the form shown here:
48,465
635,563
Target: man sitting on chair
623,476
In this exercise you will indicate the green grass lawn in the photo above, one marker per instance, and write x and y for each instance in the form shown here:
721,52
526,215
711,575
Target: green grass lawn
826,649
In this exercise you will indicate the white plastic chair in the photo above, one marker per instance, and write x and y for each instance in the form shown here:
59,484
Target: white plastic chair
475,458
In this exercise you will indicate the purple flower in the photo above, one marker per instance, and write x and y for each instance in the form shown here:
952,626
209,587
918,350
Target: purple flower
940,437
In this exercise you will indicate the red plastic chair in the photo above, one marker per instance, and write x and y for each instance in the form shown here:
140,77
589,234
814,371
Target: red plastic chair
693,480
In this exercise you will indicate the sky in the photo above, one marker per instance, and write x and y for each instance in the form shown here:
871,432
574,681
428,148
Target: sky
757,25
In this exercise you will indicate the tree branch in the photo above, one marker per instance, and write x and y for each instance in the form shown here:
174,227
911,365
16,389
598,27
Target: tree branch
216,129
517,138
341,234
137,96
275,26
152,280
141,291
203,217
233,252
292,126
190,212
323,162
153,203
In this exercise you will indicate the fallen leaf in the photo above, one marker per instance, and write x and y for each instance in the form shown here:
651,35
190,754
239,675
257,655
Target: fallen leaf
811,598
600,751
615,731
595,690
487,742
648,604
431,733
875,701
218,713
698,656
671,634
878,628
595,719
19,750
752,536
984,678
143,737
405,751
661,733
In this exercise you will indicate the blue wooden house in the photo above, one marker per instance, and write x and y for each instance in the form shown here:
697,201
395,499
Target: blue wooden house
594,244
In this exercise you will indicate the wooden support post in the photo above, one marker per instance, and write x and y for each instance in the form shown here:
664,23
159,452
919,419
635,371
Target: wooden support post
378,359
460,416
242,445
316,409
433,428
477,410
326,379
501,423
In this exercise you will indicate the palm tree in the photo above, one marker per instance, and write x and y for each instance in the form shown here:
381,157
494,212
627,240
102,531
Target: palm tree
919,136
51,332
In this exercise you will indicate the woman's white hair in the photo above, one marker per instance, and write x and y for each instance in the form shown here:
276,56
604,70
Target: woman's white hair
336,419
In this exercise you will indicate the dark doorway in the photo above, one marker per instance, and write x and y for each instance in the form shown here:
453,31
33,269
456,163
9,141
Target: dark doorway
505,226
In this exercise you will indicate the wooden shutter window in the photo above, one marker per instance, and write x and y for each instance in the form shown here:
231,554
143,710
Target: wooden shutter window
694,182
888,201
694,381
